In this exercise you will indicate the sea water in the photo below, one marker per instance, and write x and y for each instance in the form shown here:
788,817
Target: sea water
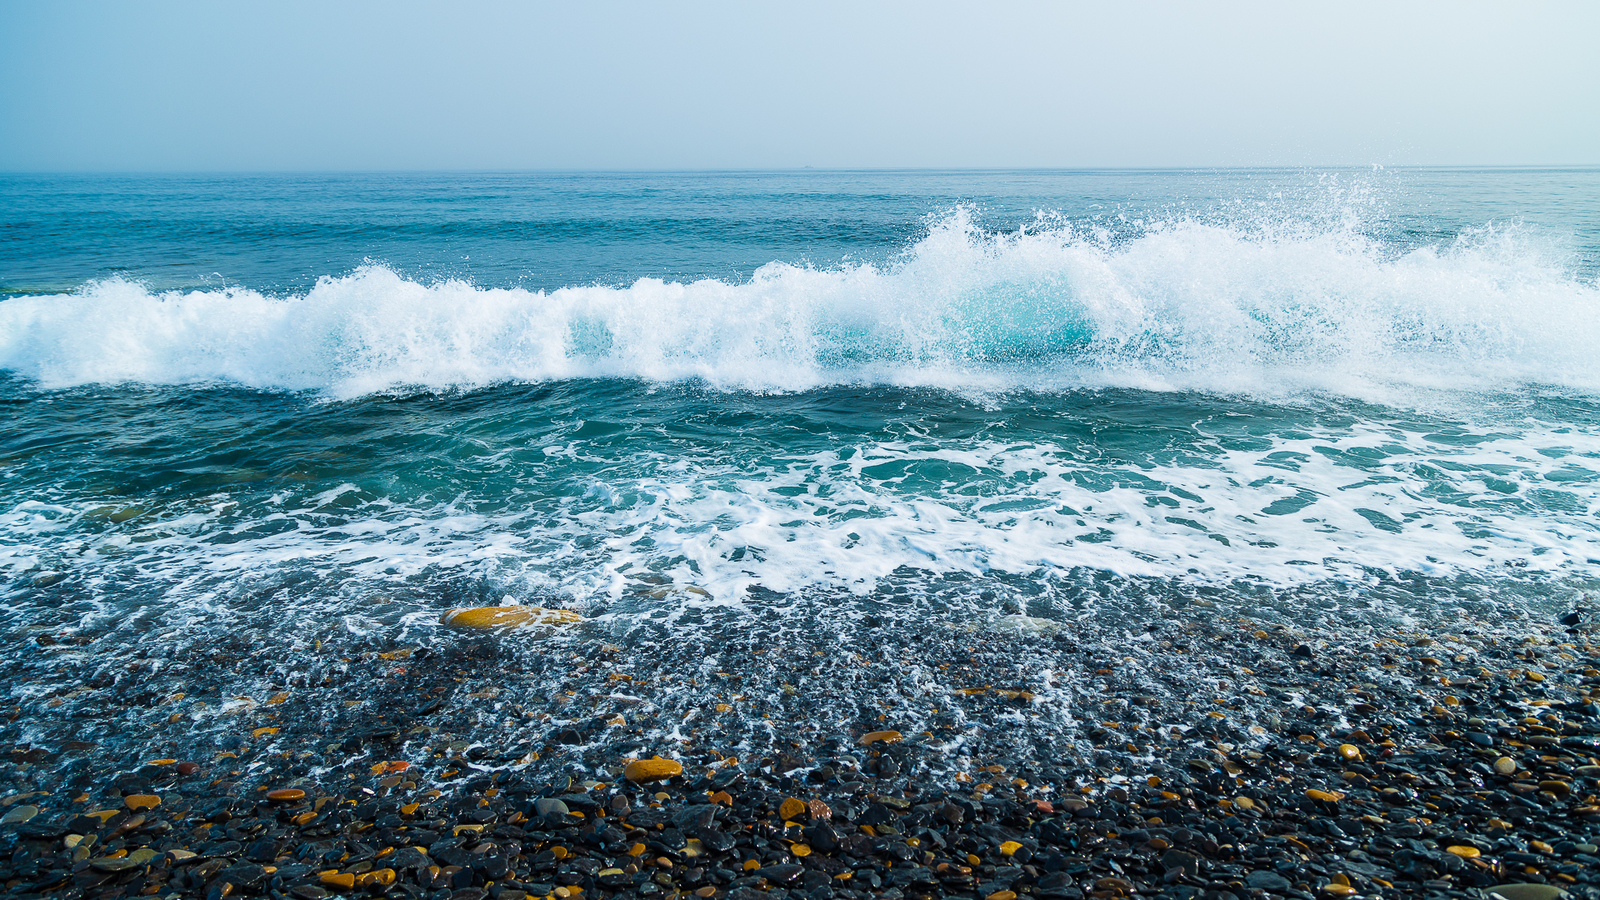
284,405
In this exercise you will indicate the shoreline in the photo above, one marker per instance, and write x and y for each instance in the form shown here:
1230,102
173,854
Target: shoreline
1175,758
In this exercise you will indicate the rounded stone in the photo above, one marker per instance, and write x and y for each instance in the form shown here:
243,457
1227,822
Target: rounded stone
1525,891
112,864
886,737
657,769
1463,851
286,795
1505,765
548,806
792,808
137,802
1350,751
496,618
19,814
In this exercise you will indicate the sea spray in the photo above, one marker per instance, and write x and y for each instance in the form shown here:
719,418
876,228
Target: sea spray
1180,305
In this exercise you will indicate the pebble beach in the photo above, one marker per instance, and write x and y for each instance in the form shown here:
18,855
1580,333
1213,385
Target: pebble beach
1220,760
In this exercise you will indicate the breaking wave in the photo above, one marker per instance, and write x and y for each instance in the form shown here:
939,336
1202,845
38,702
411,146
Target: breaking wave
1176,305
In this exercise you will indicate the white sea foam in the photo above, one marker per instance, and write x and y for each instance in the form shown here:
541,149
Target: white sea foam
1322,505
1184,305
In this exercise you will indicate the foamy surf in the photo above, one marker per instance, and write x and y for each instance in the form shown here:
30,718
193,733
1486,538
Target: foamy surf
1253,309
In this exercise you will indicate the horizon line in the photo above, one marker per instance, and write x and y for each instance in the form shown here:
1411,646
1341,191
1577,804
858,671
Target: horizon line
802,169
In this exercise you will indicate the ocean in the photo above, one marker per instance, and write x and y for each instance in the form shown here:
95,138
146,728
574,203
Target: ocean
286,408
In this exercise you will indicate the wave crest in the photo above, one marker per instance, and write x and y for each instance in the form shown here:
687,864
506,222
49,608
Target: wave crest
1180,305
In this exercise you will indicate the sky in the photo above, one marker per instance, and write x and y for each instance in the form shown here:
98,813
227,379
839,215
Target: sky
348,85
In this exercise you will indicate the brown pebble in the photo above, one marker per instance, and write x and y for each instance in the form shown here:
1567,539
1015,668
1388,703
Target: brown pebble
137,802
286,795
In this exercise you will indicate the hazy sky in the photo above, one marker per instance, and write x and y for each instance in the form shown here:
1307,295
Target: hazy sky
516,85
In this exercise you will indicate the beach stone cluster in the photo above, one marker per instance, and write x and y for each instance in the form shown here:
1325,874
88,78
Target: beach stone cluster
1387,821
1347,762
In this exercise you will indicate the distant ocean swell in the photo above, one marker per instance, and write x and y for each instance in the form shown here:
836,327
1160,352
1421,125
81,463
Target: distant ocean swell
1178,305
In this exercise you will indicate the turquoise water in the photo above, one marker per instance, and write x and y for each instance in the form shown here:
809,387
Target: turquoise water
275,402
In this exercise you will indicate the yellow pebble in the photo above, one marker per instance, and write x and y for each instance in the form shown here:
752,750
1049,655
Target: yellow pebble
377,877
1009,848
887,737
655,769
137,802
1002,895
1464,852
495,618
751,865
801,850
344,880
1325,796
792,808
1338,890
1350,751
